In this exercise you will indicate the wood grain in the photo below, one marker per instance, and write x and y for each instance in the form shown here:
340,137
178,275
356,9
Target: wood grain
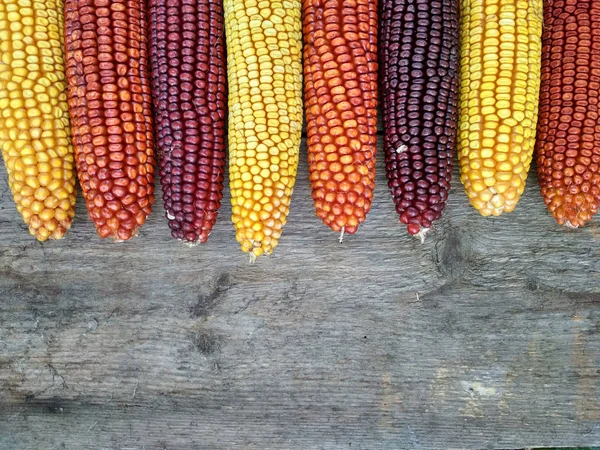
486,336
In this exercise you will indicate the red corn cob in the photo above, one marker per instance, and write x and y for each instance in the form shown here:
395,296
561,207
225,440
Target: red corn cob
110,109
187,51
419,46
568,146
340,89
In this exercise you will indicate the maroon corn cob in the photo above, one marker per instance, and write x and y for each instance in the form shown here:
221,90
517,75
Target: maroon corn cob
110,108
419,47
189,95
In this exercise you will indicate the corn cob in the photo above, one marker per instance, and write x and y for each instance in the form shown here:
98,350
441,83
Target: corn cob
340,94
499,93
419,80
265,116
110,109
34,122
187,52
568,148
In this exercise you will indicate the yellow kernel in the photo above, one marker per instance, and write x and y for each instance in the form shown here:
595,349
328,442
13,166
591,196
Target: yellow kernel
41,194
497,201
45,179
504,176
50,201
46,214
36,207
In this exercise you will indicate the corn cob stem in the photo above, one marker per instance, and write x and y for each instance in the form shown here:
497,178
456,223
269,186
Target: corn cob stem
189,93
500,79
419,81
34,123
110,109
568,147
265,116
340,94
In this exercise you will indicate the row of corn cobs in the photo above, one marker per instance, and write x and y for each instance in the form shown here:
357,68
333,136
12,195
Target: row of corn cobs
84,83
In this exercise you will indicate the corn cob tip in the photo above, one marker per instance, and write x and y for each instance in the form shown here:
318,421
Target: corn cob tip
121,235
422,234
47,215
191,238
45,233
121,227
44,228
571,211
416,230
190,244
495,200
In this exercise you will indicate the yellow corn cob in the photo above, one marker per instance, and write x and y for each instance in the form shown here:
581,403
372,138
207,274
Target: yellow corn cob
264,60
34,123
500,82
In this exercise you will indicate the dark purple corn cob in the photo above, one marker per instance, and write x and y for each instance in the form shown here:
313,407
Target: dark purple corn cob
187,50
419,48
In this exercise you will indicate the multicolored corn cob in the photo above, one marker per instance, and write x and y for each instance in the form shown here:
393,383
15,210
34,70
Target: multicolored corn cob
264,60
419,94
34,122
568,147
340,95
110,109
500,80
187,51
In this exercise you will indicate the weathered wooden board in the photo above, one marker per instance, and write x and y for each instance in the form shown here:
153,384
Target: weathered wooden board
486,336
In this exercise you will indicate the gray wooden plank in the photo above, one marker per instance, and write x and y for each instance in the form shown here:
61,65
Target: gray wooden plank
486,336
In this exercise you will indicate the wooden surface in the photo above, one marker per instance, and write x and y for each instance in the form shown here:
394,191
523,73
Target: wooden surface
486,336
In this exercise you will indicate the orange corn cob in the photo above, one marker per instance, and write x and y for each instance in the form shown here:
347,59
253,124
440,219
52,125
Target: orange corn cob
109,104
340,89
568,147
